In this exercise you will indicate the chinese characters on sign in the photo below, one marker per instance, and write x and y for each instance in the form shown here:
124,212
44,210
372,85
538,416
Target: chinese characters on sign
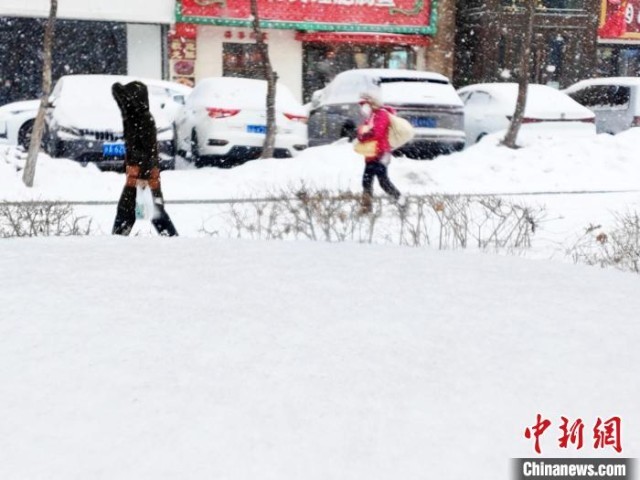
606,433
389,16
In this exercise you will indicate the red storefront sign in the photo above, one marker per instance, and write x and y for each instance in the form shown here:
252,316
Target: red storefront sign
619,19
390,16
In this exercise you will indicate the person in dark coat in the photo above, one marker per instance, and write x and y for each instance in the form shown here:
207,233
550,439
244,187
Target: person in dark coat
141,161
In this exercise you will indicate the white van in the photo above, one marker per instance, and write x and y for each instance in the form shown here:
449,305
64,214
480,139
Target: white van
615,101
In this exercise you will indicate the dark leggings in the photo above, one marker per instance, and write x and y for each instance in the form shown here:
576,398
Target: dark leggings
377,169
126,216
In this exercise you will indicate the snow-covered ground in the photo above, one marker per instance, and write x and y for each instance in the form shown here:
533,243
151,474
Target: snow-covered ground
593,163
148,358
203,358
538,175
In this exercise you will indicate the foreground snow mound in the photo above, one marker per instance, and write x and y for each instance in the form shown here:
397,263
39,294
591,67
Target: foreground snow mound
144,358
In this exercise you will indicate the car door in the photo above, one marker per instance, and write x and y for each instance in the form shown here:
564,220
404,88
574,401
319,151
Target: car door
478,116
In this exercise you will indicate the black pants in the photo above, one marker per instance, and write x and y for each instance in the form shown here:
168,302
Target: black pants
126,215
377,169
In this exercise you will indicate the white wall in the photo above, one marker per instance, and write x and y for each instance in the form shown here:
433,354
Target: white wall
285,53
144,50
140,11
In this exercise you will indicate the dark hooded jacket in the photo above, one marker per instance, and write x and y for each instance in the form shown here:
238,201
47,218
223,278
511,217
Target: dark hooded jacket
140,135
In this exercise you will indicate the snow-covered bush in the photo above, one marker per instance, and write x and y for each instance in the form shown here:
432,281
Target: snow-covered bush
439,221
617,247
41,219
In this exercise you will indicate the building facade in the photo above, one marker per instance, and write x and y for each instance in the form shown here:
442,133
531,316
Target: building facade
619,38
309,40
489,41
113,37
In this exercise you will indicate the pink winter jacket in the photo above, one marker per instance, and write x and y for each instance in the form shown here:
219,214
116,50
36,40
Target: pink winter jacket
379,131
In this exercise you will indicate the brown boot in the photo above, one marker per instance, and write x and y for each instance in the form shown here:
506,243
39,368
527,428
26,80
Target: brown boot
366,204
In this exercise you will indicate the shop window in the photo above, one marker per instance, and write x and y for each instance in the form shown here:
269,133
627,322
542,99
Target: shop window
548,4
322,62
562,4
242,60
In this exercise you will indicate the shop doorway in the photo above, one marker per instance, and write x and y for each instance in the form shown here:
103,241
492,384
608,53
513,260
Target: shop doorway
322,62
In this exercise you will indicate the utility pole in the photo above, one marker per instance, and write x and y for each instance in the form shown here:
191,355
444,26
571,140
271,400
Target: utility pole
38,126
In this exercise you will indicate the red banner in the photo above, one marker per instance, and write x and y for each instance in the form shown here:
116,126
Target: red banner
619,19
393,16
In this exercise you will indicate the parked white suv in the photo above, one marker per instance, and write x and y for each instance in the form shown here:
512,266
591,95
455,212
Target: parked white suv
84,123
615,101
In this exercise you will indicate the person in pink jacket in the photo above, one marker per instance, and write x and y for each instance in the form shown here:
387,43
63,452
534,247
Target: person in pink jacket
376,127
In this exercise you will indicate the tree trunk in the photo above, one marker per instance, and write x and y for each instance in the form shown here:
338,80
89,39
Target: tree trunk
523,83
440,54
38,126
272,78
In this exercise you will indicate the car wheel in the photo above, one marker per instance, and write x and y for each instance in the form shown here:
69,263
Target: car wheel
24,134
50,143
195,148
348,130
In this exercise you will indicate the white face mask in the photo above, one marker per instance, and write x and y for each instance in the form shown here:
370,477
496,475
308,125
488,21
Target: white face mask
366,109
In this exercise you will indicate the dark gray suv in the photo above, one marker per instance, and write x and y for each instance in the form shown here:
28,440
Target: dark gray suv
426,99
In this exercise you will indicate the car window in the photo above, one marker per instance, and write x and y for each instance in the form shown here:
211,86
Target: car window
603,96
478,99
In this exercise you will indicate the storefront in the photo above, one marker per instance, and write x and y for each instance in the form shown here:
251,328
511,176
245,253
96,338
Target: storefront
309,41
489,42
619,38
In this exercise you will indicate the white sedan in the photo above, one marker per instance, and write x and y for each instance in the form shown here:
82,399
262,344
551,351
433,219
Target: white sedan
224,122
489,107
16,122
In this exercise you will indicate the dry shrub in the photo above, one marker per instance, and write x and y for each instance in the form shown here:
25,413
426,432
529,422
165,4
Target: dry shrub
440,221
41,219
619,247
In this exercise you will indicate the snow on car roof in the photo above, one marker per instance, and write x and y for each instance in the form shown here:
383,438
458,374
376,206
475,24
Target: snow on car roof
234,92
626,81
20,106
391,73
397,86
86,100
541,99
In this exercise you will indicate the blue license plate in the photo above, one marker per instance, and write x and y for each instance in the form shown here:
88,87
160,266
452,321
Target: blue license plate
256,128
113,150
424,122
